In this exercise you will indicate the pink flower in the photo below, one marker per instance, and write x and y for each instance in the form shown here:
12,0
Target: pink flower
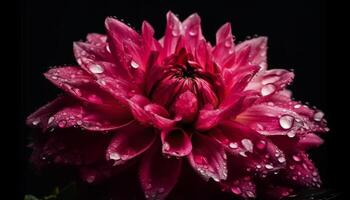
174,100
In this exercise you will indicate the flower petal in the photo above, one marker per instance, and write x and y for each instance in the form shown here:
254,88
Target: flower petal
129,142
186,106
225,45
173,32
255,151
208,158
176,142
80,85
192,32
89,118
257,51
158,174
301,171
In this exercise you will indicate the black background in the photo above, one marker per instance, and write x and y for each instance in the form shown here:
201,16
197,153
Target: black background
297,40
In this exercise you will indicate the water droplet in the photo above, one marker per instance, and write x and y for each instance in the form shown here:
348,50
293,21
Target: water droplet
193,32
54,77
108,49
314,174
50,120
296,158
281,159
258,166
242,153
134,65
250,194
228,43
297,106
62,124
270,79
261,144
268,166
149,186
314,179
292,167
175,32
286,121
236,190
294,178
233,145
90,178
291,134
166,146
247,144
79,122
36,122
318,116
114,156
267,89
96,69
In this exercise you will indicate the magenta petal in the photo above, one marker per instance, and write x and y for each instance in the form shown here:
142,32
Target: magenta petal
275,192
96,39
80,85
257,51
41,116
225,47
208,158
130,141
92,51
176,142
158,174
186,106
301,171
255,151
243,187
89,118
173,31
192,32
309,141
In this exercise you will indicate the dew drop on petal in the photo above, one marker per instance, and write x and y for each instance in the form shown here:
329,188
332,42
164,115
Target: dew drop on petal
286,121
258,166
296,158
134,64
281,159
314,173
90,178
114,156
50,120
54,77
250,194
318,116
175,32
233,145
268,166
62,124
297,106
247,144
228,43
96,69
36,122
236,190
242,153
79,122
193,32
267,89
291,134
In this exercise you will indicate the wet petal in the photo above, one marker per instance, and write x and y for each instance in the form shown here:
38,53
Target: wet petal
257,51
176,142
173,32
158,174
255,151
208,158
129,142
186,106
192,32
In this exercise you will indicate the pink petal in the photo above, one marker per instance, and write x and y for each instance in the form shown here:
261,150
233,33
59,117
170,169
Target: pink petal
96,39
80,85
208,158
224,49
158,174
309,141
92,51
271,81
176,142
129,142
41,116
192,32
89,118
301,171
242,186
255,151
186,106
257,51
172,34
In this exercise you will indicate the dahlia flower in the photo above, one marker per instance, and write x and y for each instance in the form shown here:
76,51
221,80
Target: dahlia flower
174,100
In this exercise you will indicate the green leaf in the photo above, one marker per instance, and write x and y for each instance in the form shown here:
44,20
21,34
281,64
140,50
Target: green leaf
30,197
